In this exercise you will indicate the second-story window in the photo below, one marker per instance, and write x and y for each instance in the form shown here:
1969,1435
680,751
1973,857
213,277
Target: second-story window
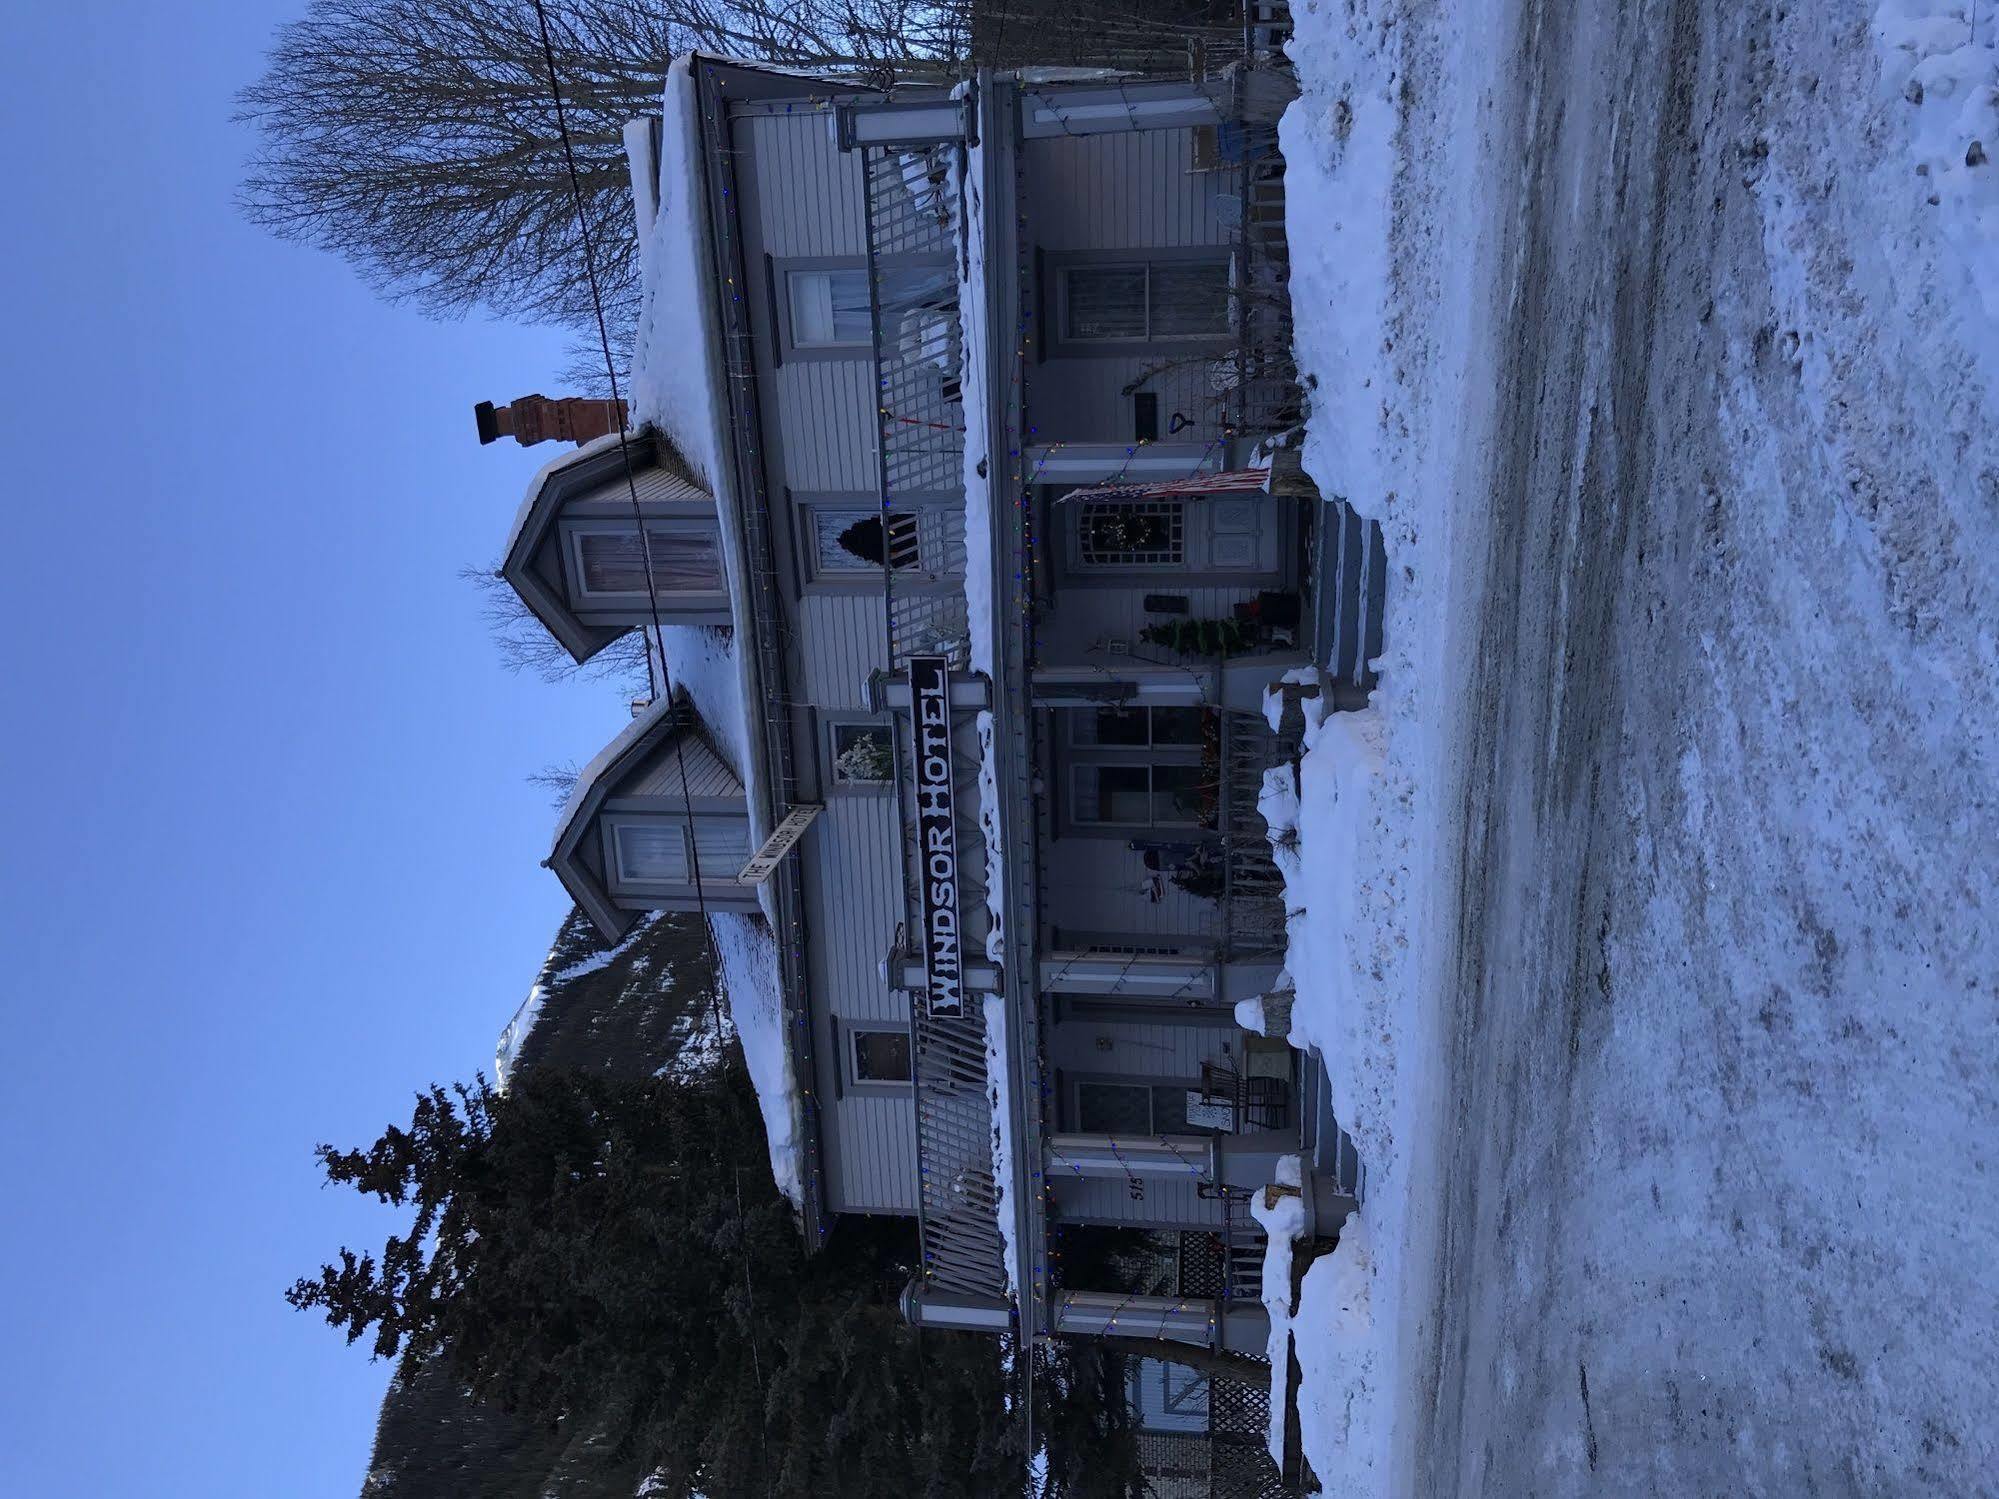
850,541
880,1056
830,308
608,561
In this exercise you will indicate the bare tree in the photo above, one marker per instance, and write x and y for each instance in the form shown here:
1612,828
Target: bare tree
526,645
558,780
418,138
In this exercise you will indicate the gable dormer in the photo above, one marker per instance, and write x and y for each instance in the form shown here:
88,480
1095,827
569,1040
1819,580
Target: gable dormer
633,838
577,559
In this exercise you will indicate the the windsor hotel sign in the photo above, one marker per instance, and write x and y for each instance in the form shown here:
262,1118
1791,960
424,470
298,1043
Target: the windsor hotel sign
937,833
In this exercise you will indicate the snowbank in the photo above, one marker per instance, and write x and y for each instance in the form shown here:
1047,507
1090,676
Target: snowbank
979,618
1387,344
1341,1419
1338,142
1942,58
979,623
746,953
972,321
1283,1224
679,385
677,372
999,1090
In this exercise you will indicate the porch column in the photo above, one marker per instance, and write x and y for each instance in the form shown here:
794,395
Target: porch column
1136,685
962,1311
1241,1327
1177,980
1105,109
1100,462
1246,1162
1120,1158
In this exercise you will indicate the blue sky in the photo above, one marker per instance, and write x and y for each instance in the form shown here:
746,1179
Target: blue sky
271,862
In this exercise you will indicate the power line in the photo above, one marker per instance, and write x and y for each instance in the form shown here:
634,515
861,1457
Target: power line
659,682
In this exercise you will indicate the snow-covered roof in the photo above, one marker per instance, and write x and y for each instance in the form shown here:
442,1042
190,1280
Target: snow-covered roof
591,781
566,459
680,388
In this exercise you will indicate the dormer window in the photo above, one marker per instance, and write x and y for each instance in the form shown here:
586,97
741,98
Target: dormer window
577,560
655,850
607,561
651,853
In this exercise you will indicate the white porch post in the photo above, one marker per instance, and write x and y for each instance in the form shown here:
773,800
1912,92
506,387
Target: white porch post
1241,1327
1100,110
1138,977
1246,1162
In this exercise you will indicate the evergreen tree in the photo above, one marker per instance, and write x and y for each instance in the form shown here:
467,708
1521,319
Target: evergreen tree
611,1260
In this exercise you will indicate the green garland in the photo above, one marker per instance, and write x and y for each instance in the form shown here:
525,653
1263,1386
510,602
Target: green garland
1199,637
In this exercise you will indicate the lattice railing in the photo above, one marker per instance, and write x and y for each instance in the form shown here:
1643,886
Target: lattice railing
914,213
1253,891
959,1200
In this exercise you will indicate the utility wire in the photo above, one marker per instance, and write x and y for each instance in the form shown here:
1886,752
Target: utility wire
659,682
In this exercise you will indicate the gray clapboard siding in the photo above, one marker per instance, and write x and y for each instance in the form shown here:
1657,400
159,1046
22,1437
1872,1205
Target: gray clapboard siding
849,863
1094,884
1084,400
823,417
1152,1053
805,192
706,773
1131,190
841,638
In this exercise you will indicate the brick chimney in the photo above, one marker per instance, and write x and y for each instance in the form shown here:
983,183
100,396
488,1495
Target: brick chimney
533,419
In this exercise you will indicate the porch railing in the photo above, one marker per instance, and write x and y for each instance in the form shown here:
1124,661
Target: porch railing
915,196
1253,913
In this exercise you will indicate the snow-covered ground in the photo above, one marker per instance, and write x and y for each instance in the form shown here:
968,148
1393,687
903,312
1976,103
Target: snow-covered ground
1644,921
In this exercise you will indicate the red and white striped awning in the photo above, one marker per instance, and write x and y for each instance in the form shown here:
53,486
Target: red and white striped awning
1233,481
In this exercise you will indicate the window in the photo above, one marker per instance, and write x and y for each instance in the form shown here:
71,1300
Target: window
1130,533
1139,767
609,562
722,844
828,306
650,853
1139,796
880,1056
1138,728
847,541
862,754
1121,1108
1146,301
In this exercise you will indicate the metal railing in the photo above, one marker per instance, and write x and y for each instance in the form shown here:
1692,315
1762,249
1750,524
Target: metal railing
959,1201
914,216
1253,912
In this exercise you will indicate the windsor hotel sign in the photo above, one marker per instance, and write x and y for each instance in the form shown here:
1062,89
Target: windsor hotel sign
937,833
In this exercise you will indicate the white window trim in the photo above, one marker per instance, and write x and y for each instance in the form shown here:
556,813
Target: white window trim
851,1060
792,276
618,864
833,779
574,531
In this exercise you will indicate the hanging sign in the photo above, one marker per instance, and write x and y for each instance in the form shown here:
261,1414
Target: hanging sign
766,859
937,834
